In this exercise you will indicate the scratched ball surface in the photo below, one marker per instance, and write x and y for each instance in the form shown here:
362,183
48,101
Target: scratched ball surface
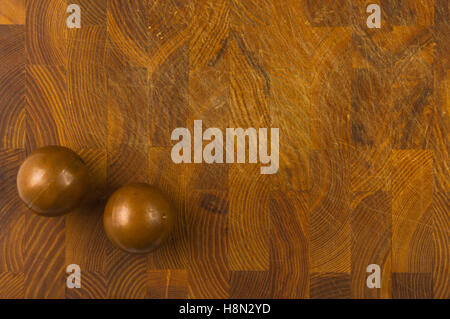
138,218
52,181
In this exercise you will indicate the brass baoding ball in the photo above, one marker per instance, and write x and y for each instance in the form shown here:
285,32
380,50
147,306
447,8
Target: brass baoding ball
52,181
138,217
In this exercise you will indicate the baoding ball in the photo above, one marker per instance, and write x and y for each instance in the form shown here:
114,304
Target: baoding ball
52,181
138,217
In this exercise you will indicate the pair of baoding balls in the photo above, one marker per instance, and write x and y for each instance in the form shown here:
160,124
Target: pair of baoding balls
54,180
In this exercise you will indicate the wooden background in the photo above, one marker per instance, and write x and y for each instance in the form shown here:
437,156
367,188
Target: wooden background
364,124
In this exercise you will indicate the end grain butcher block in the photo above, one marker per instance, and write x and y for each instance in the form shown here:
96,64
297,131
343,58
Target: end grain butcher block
363,119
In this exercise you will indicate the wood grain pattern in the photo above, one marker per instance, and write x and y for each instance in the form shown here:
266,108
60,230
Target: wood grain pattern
364,125
251,284
441,243
330,285
44,262
94,12
290,245
330,88
12,12
325,13
413,83
12,214
209,274
169,96
12,285
164,284
93,286
170,177
287,58
329,217
46,32
248,219
371,225
89,251
125,277
411,221
12,92
411,286
439,143
127,50
86,113
46,103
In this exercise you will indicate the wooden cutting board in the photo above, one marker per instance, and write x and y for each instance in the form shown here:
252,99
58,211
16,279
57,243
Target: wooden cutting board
364,124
